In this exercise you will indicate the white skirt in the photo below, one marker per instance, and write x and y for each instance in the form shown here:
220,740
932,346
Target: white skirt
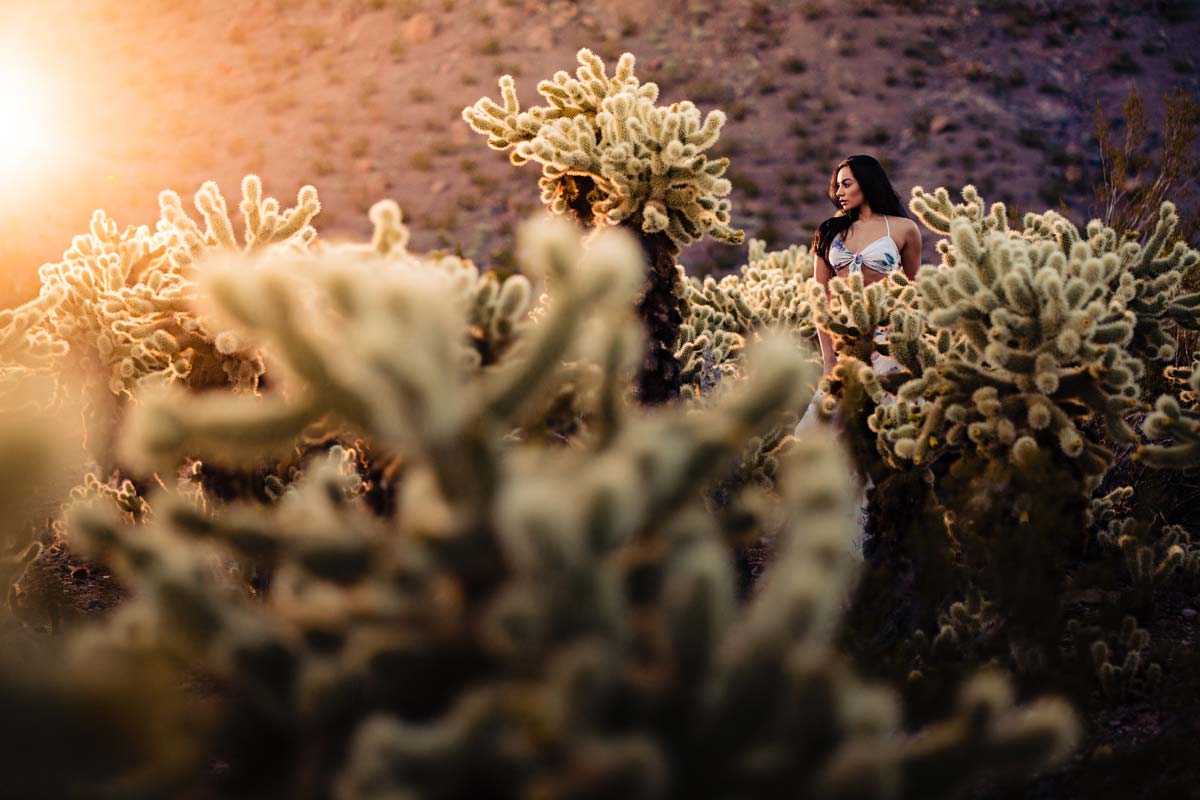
883,365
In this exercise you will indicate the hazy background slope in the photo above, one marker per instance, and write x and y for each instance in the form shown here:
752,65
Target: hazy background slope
362,98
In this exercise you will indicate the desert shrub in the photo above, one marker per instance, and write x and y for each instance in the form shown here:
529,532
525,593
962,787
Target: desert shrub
1132,184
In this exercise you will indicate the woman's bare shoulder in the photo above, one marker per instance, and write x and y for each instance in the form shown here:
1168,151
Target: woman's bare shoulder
908,230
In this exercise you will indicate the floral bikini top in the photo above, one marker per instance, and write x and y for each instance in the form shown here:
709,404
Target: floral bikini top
881,255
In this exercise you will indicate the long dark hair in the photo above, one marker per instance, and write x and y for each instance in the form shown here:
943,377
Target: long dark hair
877,193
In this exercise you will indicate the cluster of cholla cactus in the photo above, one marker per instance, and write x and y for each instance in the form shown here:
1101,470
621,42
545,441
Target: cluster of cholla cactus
610,156
529,619
1120,658
26,347
1035,342
1153,554
1039,342
767,293
1050,329
123,299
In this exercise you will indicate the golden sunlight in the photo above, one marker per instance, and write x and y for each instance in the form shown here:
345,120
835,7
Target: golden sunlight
27,131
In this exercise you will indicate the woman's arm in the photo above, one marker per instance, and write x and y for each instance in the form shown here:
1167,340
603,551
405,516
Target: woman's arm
910,250
822,272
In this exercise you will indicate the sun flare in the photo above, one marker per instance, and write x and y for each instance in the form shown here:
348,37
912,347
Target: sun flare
26,132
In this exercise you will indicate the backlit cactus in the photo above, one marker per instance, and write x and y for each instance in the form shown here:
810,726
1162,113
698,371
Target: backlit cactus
540,618
1040,329
26,347
722,315
1175,424
1152,554
609,154
1146,276
125,297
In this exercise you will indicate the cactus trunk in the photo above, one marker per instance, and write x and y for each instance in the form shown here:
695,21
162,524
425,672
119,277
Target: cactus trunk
661,310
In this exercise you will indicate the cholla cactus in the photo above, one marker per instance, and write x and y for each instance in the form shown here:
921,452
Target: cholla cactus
1152,554
1135,675
356,304
496,309
965,625
554,620
124,297
1035,338
853,316
38,458
967,633
1108,507
1176,419
1039,329
121,493
766,293
610,156
1145,276
25,346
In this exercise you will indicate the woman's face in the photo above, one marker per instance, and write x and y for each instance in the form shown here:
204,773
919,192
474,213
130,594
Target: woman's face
848,192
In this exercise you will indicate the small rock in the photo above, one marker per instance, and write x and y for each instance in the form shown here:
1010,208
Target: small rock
437,187
419,28
939,123
1189,613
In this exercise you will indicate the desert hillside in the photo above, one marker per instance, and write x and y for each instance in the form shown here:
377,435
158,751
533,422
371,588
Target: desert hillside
362,98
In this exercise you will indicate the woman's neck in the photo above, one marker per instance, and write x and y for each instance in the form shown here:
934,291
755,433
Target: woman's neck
865,214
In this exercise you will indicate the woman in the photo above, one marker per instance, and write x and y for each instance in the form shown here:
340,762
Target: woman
869,235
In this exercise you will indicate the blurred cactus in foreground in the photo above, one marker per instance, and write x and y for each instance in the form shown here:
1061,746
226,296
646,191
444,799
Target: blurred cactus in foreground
39,455
532,620
26,348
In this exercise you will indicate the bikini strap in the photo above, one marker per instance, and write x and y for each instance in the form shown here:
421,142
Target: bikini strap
889,225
